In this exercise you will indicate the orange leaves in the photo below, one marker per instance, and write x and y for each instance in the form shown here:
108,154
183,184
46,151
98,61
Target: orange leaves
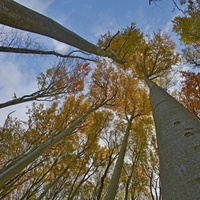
65,78
104,86
190,92
79,75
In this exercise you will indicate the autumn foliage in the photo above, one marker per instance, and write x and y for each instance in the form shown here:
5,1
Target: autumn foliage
90,113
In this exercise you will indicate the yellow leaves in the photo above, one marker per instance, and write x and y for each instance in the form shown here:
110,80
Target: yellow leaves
149,56
159,55
134,97
124,44
104,86
188,26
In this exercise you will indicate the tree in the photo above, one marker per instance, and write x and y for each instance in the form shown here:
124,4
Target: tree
187,27
17,16
177,130
145,59
177,134
81,108
130,108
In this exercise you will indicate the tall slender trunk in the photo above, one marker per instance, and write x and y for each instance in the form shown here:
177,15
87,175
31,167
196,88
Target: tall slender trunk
27,158
17,16
178,137
114,182
42,195
99,194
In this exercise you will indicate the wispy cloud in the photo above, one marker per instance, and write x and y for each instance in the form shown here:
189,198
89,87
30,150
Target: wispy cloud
145,24
60,47
104,24
168,27
15,79
37,5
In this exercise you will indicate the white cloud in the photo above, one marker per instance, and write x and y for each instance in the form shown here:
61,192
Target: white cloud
60,47
15,79
168,27
37,5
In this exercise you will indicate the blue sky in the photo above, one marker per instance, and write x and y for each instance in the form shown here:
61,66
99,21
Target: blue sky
89,19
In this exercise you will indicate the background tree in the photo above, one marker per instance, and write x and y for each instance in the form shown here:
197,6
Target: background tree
66,77
187,27
190,93
130,107
79,109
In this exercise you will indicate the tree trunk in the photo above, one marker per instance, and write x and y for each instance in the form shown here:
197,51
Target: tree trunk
113,185
17,16
99,194
42,195
18,165
178,137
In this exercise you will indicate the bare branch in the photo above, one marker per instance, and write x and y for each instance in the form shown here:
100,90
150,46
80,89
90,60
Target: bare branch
111,40
179,8
41,52
6,121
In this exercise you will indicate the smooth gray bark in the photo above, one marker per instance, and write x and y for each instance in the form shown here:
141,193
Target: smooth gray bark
17,16
114,182
178,136
29,157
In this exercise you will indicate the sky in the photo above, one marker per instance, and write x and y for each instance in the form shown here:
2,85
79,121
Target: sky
89,19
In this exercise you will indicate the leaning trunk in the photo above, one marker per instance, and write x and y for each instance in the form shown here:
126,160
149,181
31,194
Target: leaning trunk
19,164
178,137
17,16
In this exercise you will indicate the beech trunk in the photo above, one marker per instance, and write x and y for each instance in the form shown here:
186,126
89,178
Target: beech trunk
23,161
15,15
178,137
114,182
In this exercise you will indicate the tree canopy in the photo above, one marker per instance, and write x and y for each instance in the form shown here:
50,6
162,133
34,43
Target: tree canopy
103,128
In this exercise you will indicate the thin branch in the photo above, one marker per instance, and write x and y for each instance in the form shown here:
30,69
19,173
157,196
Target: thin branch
42,52
111,40
179,8
6,121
